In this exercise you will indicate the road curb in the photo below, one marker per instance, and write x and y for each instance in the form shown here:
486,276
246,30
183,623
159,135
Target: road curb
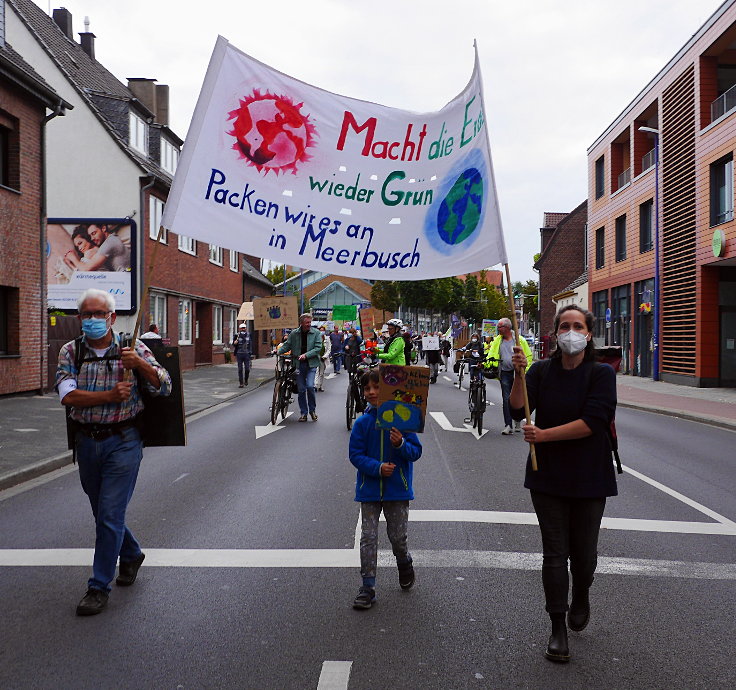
711,421
55,462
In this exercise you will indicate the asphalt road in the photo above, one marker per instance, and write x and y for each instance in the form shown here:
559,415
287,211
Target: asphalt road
252,565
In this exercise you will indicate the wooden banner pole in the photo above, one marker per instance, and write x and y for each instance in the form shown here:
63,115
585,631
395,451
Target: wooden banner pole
144,298
527,411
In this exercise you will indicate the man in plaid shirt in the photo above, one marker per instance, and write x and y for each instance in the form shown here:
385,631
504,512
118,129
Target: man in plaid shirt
104,403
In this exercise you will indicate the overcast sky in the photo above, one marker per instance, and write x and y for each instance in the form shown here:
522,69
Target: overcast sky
556,74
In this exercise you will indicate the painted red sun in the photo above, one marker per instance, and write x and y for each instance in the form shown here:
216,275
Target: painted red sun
271,133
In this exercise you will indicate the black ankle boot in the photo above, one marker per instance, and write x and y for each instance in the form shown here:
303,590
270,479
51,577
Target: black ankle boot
579,614
557,647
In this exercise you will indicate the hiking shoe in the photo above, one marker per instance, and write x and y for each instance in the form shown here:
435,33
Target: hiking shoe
406,575
128,571
303,418
92,603
365,599
507,431
314,416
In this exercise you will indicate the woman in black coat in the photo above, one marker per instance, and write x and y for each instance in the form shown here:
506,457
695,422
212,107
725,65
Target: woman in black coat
575,401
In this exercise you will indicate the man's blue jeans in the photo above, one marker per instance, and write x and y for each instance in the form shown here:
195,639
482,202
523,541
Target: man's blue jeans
305,386
108,470
507,381
336,361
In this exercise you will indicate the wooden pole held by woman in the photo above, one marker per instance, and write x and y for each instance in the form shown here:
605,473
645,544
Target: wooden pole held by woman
527,410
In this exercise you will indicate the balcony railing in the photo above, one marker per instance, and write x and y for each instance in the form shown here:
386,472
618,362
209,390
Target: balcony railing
647,161
624,178
723,104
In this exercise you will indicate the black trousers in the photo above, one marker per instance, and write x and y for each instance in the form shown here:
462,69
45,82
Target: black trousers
570,528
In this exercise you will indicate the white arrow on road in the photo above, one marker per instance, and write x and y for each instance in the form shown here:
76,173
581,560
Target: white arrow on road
441,419
270,428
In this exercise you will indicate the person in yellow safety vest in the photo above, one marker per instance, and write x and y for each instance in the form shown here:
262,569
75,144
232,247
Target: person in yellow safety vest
499,354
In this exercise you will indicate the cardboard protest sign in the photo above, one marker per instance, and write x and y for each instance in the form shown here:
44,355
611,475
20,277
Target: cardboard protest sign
402,397
246,312
489,327
275,312
367,321
336,184
430,342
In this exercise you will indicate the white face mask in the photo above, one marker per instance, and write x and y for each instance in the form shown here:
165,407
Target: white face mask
572,342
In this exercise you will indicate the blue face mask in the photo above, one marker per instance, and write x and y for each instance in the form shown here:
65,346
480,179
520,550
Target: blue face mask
95,328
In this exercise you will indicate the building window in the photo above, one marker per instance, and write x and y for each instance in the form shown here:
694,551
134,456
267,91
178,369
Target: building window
138,134
645,226
187,245
155,211
621,238
600,177
157,308
169,156
185,322
234,261
215,254
600,304
230,324
721,190
600,247
217,324
4,157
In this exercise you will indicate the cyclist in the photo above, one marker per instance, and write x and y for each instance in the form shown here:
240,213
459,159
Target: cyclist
393,349
477,356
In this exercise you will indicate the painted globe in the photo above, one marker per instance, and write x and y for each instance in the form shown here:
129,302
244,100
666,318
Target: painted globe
459,212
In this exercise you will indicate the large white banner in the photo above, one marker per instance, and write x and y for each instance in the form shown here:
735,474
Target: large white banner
286,171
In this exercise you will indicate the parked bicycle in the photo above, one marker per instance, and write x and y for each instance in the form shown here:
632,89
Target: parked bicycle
355,402
283,388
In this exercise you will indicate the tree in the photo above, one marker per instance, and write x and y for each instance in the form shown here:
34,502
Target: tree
527,295
276,274
385,295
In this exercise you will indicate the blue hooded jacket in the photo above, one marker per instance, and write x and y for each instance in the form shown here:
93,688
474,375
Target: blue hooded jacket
365,453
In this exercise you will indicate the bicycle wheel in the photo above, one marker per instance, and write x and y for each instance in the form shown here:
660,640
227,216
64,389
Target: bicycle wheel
460,376
284,399
480,407
350,406
275,402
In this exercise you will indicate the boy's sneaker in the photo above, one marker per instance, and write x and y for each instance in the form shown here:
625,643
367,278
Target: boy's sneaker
365,599
406,575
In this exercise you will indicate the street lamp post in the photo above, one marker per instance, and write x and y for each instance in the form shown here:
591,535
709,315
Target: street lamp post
656,302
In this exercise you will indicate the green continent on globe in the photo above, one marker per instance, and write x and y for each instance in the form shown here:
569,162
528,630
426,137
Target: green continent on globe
460,210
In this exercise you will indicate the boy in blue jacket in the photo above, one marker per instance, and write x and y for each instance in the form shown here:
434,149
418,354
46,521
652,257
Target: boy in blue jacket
385,463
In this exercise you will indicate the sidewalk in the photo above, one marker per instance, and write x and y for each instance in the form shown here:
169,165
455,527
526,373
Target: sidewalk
33,430
33,427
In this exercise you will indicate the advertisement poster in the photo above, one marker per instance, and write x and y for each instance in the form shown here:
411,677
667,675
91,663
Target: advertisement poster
84,253
282,169
275,312
402,397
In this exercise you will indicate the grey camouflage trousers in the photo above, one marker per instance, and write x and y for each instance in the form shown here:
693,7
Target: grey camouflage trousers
397,523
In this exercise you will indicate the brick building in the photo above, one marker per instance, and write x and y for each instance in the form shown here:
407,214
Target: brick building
27,103
115,158
689,107
561,261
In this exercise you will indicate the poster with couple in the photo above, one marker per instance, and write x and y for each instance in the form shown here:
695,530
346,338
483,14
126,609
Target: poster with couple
90,252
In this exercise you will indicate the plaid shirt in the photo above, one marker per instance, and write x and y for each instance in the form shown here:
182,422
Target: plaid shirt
102,375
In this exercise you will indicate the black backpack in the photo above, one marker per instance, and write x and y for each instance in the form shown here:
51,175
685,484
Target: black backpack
611,431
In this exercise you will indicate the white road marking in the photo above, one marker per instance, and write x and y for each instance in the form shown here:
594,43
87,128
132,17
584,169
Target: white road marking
446,425
181,476
350,558
447,378
335,675
262,431
675,494
24,431
38,481
627,524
